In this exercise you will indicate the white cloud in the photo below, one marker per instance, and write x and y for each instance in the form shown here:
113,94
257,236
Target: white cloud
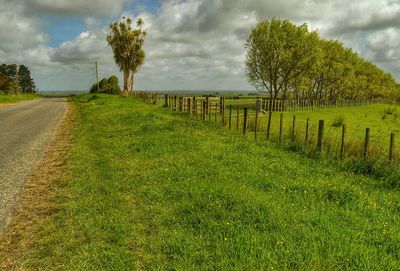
192,44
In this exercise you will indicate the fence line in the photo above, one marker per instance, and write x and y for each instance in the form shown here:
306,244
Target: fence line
248,116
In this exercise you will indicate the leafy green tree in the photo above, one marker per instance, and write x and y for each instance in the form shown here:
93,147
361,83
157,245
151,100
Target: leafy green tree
25,81
107,85
278,53
288,61
7,86
127,43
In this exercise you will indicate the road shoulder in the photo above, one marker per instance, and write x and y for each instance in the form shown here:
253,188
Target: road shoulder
36,201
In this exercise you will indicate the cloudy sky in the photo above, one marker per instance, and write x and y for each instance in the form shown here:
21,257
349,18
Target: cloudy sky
192,44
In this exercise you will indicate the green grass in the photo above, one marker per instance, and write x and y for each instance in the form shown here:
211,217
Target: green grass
149,189
382,119
16,98
357,119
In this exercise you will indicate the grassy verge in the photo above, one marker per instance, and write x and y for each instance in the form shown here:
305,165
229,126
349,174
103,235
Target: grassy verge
10,99
150,189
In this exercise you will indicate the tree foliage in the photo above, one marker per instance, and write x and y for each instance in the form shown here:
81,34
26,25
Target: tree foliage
107,85
289,61
8,79
127,45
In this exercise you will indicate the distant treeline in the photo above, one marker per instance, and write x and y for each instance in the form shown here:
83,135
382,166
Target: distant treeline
8,79
289,61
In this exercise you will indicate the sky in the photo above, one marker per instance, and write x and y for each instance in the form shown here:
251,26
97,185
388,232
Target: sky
191,44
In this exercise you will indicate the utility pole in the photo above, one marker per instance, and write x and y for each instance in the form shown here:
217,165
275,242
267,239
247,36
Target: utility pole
97,77
16,78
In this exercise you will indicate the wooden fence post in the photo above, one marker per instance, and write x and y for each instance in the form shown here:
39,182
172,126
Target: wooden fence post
269,124
280,128
207,105
307,132
221,104
215,111
343,144
222,109
166,100
230,117
367,133
175,102
194,105
237,118
294,128
258,110
188,106
245,121
321,126
391,147
203,111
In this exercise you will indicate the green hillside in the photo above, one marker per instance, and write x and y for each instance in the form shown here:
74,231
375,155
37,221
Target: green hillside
150,189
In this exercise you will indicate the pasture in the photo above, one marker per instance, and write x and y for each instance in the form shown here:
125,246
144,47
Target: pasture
152,189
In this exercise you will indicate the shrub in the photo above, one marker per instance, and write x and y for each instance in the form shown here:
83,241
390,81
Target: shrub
107,85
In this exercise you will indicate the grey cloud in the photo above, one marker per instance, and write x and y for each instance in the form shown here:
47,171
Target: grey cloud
366,16
16,32
86,48
195,44
74,7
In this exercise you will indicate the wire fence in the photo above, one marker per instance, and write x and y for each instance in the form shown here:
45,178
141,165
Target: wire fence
264,118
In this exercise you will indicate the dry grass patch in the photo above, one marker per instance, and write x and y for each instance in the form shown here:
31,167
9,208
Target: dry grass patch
36,200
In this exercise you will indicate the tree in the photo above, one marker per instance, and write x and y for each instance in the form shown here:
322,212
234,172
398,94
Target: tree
288,61
126,43
25,81
6,84
107,85
278,53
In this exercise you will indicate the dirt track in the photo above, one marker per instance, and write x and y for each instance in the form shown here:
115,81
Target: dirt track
26,130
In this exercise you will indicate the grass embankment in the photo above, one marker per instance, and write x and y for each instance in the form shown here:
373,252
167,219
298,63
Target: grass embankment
151,189
11,99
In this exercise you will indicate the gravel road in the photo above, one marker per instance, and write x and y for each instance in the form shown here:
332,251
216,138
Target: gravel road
26,130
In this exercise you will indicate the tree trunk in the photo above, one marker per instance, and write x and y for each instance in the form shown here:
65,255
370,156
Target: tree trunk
132,81
125,92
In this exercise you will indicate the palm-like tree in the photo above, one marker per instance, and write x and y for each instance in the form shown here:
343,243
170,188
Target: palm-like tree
127,44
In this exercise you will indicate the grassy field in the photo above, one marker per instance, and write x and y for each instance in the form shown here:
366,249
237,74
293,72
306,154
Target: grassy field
382,119
9,99
150,189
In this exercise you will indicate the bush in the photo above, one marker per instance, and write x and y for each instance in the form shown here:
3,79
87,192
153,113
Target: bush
107,85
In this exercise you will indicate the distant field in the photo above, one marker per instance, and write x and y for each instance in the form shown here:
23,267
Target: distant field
150,189
382,119
16,98
61,93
